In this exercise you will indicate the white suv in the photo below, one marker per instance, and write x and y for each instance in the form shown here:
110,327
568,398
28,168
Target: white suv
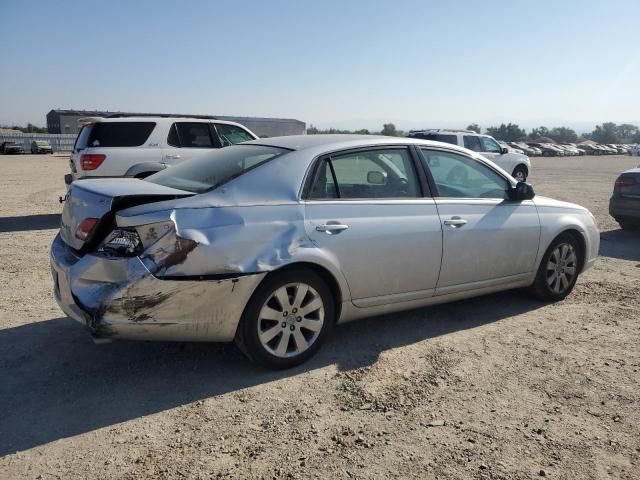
123,146
516,164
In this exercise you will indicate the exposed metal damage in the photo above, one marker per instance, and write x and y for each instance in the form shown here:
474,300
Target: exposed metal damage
198,270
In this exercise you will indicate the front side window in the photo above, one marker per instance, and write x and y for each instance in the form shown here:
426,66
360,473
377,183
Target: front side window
472,143
457,176
231,134
191,135
489,145
367,174
204,174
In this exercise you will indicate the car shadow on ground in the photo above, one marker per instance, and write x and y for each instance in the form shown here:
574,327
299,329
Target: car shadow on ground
621,244
56,383
29,222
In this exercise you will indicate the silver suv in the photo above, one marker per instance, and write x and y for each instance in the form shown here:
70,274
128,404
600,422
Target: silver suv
128,146
516,164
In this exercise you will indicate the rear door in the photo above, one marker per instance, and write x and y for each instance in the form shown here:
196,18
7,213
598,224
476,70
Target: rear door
189,140
366,209
487,238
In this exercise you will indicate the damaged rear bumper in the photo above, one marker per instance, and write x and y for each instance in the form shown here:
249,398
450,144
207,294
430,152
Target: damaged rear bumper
120,298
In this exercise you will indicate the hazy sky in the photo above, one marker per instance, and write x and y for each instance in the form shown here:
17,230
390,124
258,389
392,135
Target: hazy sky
341,63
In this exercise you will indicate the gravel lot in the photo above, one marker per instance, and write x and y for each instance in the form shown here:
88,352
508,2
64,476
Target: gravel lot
499,387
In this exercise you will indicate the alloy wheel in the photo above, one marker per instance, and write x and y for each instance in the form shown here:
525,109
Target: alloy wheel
562,268
291,320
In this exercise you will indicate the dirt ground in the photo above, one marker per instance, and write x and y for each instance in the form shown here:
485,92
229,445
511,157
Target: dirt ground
498,387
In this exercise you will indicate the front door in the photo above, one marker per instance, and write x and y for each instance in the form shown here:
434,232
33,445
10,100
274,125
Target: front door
366,209
487,238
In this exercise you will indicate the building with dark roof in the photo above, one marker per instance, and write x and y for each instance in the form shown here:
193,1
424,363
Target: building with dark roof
66,121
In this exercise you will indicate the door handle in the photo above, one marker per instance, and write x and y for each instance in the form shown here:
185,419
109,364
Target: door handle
455,222
172,157
331,228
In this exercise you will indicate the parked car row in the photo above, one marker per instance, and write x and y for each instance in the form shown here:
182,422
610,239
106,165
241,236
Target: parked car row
568,149
516,163
37,146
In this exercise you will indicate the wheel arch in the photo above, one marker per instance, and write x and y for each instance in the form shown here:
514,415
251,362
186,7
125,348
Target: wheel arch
323,272
523,165
144,167
582,243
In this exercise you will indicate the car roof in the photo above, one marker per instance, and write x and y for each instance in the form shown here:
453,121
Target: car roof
160,119
331,142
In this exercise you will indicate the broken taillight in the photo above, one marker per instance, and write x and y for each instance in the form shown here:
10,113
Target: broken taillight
122,242
91,161
85,228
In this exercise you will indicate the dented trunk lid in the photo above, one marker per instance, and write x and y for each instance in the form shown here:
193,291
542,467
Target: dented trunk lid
101,198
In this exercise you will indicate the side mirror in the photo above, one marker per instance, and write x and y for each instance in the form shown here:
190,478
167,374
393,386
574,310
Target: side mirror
376,178
504,150
522,191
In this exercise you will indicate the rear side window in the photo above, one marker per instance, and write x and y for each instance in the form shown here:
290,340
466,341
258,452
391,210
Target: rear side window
115,134
230,134
472,143
191,135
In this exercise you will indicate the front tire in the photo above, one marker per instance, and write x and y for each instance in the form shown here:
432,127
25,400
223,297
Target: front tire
287,319
558,270
520,173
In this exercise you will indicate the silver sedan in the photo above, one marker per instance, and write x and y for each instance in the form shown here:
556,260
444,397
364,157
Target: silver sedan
272,242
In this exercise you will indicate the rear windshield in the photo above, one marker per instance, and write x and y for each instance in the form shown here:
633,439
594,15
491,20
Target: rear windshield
114,134
203,174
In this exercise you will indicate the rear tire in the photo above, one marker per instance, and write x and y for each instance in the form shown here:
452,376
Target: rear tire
287,319
559,269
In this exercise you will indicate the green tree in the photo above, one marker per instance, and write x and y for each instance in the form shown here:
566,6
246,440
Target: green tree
507,133
30,128
605,133
475,127
389,130
563,134
539,132
628,133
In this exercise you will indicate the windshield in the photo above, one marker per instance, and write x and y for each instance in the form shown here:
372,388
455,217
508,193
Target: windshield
204,174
